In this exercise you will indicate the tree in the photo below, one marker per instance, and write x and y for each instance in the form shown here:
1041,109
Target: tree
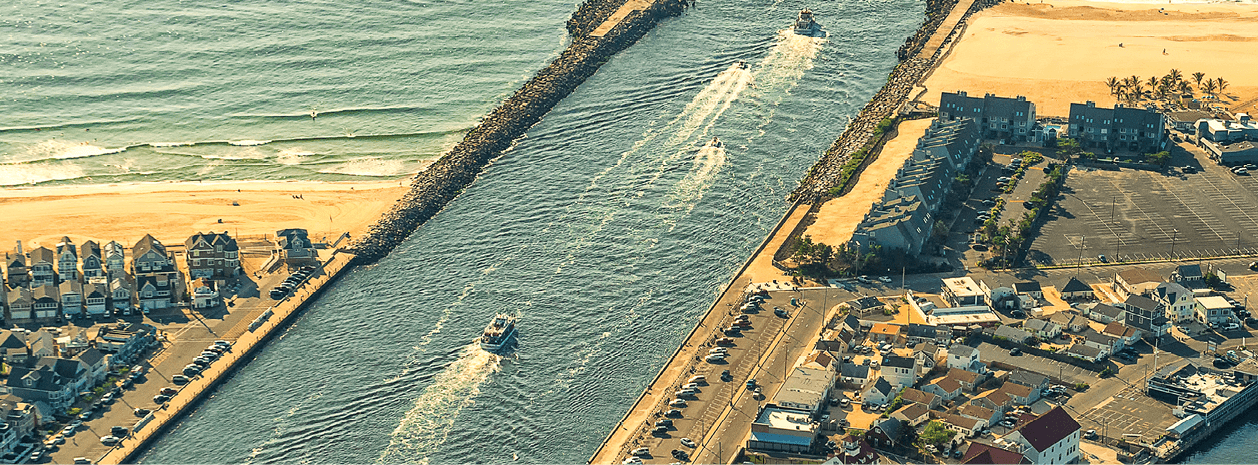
1197,77
1113,84
1175,76
1162,158
1068,148
1220,85
940,231
1208,87
936,433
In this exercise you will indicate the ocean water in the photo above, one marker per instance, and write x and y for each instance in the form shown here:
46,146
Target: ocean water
1232,444
608,229
159,90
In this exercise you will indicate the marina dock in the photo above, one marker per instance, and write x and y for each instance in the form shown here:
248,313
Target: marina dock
248,336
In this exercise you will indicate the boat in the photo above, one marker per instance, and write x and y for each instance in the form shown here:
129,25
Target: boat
805,25
741,64
498,333
716,142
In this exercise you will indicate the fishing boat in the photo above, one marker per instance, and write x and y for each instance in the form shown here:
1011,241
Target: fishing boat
498,333
807,26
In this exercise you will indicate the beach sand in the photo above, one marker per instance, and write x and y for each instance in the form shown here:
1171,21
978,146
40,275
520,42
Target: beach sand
837,218
173,211
1062,51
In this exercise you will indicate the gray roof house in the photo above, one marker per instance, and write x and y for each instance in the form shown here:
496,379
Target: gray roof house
93,263
1105,313
1189,276
998,117
1012,334
1075,289
1118,128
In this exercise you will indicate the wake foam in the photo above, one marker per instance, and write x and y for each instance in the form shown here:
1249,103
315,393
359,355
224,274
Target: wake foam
370,166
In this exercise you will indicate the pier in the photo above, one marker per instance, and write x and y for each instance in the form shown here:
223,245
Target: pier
248,337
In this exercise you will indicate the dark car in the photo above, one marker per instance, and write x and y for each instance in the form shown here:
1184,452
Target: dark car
161,398
179,379
1015,351
118,431
278,293
170,391
660,430
664,422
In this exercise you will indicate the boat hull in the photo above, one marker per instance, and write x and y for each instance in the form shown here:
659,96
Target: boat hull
500,344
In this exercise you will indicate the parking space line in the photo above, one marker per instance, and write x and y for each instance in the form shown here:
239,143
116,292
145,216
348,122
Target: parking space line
1192,210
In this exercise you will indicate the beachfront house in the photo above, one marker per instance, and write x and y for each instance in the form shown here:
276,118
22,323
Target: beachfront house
115,259
46,304
67,260
71,296
124,341
295,247
43,267
899,371
96,297
998,117
155,273
1120,128
19,420
1148,316
880,392
15,270
212,255
93,264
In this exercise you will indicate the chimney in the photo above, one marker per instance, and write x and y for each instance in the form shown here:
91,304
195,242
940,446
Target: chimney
19,247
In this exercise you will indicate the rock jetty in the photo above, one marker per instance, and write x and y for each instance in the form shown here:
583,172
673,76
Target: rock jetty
446,178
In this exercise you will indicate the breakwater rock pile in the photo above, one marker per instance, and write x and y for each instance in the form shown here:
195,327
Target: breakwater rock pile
445,179
590,14
818,182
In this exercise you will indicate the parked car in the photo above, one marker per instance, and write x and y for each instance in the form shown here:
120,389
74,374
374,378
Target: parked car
687,442
161,399
140,412
1102,258
170,391
109,440
1015,351
67,431
179,379
885,279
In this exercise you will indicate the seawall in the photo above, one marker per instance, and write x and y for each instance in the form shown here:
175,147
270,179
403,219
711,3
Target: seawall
243,350
445,179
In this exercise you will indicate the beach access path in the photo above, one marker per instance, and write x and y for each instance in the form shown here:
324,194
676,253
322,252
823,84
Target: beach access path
620,14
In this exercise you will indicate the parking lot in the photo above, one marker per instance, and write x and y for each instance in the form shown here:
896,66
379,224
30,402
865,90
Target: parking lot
1133,214
959,248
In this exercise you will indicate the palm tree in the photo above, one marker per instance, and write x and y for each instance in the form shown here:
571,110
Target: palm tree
1137,92
1175,75
1185,89
1220,85
1198,76
1152,83
1112,83
1207,87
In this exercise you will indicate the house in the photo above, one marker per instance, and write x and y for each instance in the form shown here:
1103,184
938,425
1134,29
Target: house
1148,316
920,397
1021,394
1119,128
969,380
1107,344
46,304
963,317
1189,276
946,388
884,332
964,357
805,389
96,297
1213,310
980,453
1051,439
1075,289
67,260
1012,119
853,376
120,294
912,414
1104,313
96,363
1035,381
1126,335
19,420
899,371
1043,329
980,413
885,433
155,274
782,430
16,273
71,298
897,223
1136,281
879,392
93,264
1247,371
918,334
124,341
1030,288
42,344
928,356
854,451
851,322
999,401
115,259
1069,321
203,294
1177,300
963,291
295,247
1086,352
19,303
212,255
863,306
966,427
1012,334
43,267
55,381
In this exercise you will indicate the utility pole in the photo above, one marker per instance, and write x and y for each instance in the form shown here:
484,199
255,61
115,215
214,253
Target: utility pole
1082,241
1112,204
1173,238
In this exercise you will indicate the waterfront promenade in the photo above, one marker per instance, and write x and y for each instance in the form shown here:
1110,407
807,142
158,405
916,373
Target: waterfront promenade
245,344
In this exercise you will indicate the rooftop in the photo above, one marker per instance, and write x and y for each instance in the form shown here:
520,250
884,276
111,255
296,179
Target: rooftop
1213,302
963,286
1049,428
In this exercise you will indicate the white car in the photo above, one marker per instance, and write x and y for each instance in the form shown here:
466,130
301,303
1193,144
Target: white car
885,279
687,442
679,403
1231,327
639,451
632,461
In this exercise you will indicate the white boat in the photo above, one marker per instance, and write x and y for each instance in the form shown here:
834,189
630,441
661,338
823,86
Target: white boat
498,333
807,26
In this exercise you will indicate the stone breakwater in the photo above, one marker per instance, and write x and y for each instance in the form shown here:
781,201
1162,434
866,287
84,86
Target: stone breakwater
815,187
936,11
445,179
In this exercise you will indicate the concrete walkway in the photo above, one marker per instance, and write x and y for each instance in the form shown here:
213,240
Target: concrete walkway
620,14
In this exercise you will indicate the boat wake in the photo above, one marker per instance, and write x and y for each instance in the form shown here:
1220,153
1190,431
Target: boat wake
425,426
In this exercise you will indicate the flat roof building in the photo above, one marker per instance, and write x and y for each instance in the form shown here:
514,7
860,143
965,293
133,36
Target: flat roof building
962,291
782,430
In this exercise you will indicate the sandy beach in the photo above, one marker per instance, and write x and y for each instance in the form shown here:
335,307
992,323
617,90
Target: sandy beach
1061,51
173,211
